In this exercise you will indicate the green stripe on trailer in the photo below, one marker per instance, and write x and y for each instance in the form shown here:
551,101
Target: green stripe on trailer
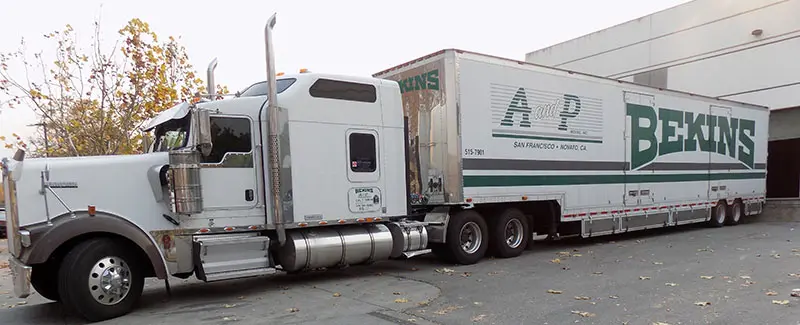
544,180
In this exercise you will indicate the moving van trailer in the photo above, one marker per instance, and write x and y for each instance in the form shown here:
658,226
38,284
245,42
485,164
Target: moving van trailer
456,153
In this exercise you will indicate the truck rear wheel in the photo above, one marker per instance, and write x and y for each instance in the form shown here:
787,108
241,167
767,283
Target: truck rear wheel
719,215
100,279
735,213
510,233
467,238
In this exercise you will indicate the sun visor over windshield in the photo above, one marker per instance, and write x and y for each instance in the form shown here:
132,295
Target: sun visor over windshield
175,112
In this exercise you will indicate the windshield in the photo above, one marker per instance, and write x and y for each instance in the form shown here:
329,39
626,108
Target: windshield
171,135
260,88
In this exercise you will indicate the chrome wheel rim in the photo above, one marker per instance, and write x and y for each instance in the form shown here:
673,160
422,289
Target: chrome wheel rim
737,212
471,237
110,280
513,233
720,213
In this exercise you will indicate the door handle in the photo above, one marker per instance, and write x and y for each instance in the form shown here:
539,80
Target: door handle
248,195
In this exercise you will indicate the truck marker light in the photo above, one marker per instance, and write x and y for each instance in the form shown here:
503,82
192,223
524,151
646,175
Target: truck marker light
302,224
524,198
229,228
323,222
279,74
203,230
342,221
303,70
254,227
378,218
360,220
91,210
370,219
469,200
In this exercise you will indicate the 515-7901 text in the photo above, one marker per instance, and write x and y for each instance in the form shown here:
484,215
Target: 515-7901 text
549,146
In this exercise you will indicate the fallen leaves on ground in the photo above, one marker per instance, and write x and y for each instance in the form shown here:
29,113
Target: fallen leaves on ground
705,250
613,297
556,261
746,277
478,318
337,295
659,323
293,310
794,275
795,293
706,277
583,313
670,284
230,305
781,302
3,265
776,255
598,273
702,303
446,310
772,293
555,292
644,278
582,298
466,274
401,300
658,263
445,271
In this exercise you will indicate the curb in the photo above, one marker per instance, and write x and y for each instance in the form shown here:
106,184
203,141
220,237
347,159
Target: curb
781,211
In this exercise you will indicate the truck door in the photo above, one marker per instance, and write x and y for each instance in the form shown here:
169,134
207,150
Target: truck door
636,193
228,173
364,172
717,162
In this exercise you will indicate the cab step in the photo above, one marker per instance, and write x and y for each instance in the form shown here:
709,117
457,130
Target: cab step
231,256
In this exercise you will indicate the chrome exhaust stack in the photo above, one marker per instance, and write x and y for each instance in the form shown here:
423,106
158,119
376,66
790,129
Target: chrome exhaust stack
274,150
210,84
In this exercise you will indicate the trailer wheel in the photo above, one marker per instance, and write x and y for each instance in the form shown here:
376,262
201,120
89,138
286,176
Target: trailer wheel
100,279
719,215
510,234
44,279
734,213
467,238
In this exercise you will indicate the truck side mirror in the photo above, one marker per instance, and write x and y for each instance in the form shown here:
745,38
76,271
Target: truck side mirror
203,131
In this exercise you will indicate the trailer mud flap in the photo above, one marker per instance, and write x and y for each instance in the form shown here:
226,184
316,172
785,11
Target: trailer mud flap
753,208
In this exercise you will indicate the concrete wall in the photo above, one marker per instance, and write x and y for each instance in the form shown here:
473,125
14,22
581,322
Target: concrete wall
703,46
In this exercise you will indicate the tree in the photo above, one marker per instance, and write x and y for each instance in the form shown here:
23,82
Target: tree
95,102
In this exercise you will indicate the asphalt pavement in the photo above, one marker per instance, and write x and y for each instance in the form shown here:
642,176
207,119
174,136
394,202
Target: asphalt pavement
687,275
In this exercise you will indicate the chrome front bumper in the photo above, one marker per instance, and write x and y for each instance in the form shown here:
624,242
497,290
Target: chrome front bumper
21,277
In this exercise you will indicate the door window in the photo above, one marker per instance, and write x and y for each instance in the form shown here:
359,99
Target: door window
232,142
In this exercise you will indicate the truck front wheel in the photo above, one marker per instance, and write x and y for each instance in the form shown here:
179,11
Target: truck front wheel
44,279
100,279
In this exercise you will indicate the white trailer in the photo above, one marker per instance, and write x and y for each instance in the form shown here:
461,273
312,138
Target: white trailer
456,153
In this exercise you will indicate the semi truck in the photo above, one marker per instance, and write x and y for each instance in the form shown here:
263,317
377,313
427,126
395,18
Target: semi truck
458,154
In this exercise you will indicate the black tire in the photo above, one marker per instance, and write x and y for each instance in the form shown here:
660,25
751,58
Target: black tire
44,279
735,213
719,215
89,261
509,220
466,221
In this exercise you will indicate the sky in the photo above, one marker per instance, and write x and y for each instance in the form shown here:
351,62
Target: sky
357,37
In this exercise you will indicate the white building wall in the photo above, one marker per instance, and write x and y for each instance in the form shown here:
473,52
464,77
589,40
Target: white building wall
703,46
